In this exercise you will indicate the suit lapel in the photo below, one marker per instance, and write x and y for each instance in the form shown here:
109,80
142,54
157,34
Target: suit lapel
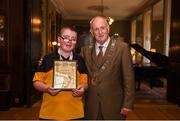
108,55
96,70
107,52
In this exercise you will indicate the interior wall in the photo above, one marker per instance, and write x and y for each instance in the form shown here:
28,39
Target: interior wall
33,47
13,67
17,49
5,64
157,36
121,27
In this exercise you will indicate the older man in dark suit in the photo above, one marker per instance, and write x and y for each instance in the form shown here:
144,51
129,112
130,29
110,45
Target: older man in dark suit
111,89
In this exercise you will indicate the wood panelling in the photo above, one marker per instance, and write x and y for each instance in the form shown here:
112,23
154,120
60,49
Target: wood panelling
3,33
5,67
33,47
23,48
173,85
4,5
16,49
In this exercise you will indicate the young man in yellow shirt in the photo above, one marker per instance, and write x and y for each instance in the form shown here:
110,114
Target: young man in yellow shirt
60,104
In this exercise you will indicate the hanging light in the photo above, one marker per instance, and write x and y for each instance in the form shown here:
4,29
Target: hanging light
110,20
102,8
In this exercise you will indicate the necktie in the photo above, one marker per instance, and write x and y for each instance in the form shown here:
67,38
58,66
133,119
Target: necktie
100,55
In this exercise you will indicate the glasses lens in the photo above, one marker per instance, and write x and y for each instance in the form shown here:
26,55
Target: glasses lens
73,41
67,39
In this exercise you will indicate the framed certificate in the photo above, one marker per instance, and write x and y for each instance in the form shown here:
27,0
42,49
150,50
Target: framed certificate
64,76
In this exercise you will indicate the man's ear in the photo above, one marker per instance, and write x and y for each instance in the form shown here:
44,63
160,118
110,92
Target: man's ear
91,32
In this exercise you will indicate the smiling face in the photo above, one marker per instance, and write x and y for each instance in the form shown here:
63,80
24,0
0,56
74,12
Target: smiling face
99,29
67,39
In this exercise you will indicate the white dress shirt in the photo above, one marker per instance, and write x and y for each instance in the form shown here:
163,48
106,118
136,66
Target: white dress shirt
105,45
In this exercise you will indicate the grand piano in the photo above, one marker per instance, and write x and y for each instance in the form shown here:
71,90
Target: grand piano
150,72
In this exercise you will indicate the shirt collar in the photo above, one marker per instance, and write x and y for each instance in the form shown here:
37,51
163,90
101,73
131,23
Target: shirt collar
105,44
70,57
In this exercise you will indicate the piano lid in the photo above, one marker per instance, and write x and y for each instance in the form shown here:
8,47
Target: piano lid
157,58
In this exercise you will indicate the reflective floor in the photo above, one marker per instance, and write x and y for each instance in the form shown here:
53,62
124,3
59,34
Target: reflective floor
150,104
150,109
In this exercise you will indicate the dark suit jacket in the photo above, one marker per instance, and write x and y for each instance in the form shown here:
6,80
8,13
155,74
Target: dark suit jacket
112,85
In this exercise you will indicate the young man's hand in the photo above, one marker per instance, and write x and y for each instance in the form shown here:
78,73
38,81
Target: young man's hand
79,91
52,91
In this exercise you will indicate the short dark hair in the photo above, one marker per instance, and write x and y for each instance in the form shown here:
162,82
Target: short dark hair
72,28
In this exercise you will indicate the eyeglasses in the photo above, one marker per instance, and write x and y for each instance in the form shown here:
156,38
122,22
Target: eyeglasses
67,39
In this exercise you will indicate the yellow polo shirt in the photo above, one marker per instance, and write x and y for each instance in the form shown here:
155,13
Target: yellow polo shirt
63,106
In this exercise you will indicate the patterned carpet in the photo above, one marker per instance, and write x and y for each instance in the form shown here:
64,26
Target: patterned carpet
155,93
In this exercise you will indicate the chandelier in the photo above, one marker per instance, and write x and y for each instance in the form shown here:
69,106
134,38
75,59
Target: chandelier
102,8
109,19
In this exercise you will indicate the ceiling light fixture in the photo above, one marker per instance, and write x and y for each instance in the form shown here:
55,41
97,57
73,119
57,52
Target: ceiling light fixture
102,8
110,20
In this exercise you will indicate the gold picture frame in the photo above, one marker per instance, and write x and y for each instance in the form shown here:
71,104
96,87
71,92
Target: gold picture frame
64,75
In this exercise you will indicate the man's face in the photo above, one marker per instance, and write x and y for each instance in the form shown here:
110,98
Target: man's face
68,40
100,30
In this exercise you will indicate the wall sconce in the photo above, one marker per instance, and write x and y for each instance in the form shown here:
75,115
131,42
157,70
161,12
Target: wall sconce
36,22
54,43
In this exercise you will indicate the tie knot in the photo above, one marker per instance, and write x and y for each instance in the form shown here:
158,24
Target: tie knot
100,47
